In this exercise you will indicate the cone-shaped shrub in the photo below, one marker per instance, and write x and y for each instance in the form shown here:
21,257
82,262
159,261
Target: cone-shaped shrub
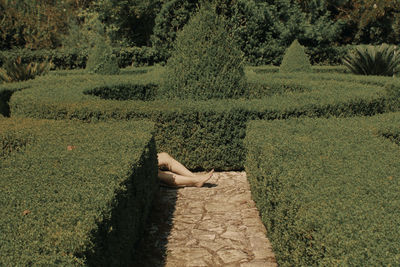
101,59
295,59
206,62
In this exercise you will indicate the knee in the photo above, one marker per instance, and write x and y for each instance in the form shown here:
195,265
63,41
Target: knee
163,154
163,158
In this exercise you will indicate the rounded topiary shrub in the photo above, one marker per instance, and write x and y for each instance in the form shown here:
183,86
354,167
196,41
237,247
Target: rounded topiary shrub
101,59
295,59
206,62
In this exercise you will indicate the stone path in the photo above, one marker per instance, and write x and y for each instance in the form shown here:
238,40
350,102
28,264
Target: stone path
216,225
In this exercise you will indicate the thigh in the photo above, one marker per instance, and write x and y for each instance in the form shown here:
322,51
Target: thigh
163,160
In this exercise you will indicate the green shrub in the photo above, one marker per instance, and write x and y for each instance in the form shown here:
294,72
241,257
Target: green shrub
327,189
137,56
393,91
143,92
61,58
315,69
101,59
73,58
173,15
6,91
381,60
295,59
206,62
14,135
82,193
203,134
15,71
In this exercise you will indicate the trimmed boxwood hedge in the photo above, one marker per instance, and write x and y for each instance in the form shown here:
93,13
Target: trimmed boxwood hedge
201,134
315,69
74,58
6,90
14,135
86,205
328,190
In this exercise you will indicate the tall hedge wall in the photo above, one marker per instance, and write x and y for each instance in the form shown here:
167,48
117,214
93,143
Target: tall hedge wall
74,194
201,134
328,190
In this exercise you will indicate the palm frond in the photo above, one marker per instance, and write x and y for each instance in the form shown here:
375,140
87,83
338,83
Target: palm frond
381,60
14,71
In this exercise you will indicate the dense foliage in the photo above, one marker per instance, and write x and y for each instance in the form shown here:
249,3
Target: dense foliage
15,71
206,134
381,60
174,14
82,193
73,58
6,91
295,59
36,24
101,59
315,192
327,189
202,134
263,27
206,62
129,22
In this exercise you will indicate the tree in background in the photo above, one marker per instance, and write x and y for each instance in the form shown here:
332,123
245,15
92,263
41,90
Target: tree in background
173,15
35,24
129,22
83,30
101,59
263,28
250,27
313,27
371,21
366,21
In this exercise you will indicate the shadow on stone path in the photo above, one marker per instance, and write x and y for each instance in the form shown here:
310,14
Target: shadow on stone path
216,225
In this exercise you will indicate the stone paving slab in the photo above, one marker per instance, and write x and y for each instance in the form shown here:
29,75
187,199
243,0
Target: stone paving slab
216,225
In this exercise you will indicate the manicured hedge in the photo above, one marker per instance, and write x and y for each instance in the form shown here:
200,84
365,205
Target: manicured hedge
315,69
6,91
61,58
73,58
75,193
14,136
201,134
328,190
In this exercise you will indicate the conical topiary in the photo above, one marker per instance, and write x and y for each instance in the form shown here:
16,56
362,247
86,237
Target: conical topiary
206,62
101,59
295,59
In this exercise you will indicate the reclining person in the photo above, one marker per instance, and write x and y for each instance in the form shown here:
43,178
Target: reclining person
177,174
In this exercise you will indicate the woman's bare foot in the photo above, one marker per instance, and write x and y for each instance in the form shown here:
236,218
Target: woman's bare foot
204,178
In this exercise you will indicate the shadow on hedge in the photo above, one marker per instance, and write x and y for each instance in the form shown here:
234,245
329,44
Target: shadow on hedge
4,99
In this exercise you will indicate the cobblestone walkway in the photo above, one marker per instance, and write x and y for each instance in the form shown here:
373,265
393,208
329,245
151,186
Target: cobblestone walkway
216,225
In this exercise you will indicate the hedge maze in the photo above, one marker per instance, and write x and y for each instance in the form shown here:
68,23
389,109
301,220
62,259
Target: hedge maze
328,189
320,151
73,193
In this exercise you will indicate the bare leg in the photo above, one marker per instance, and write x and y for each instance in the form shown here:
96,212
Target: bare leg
174,179
165,160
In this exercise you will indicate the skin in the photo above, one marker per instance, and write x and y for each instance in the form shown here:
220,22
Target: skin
179,175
